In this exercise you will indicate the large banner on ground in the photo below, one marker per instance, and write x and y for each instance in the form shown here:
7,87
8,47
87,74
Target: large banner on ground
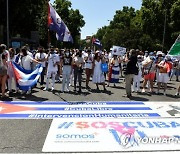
99,109
50,110
113,135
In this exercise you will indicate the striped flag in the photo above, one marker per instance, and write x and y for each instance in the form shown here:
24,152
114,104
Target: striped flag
57,25
96,42
26,79
50,110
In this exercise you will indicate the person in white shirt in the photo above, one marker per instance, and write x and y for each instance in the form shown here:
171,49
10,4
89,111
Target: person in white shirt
53,61
26,60
78,69
41,57
88,66
137,77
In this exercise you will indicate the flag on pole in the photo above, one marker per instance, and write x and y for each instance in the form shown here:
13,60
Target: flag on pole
26,79
57,25
96,42
175,49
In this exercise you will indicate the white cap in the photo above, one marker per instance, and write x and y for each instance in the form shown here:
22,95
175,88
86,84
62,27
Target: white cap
159,53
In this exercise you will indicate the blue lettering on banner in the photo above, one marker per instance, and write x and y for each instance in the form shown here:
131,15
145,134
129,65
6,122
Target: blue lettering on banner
75,136
95,115
92,108
76,103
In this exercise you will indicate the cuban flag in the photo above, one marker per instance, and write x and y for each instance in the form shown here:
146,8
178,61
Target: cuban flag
57,25
26,79
96,42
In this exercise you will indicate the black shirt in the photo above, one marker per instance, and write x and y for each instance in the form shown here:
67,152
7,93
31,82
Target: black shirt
132,66
67,60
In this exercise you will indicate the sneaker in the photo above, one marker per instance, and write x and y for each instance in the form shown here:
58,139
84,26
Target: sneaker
29,92
164,93
45,89
67,90
143,91
177,94
52,89
157,92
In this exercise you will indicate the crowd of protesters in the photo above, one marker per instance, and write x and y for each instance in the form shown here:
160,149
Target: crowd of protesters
142,70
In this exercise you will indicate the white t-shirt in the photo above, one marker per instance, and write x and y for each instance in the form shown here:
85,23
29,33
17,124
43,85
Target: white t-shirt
89,61
30,54
40,56
26,62
53,59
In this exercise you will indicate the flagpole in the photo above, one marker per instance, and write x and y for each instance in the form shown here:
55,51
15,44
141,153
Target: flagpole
49,37
7,9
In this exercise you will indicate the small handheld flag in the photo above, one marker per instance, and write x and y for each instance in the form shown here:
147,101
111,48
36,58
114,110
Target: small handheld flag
96,42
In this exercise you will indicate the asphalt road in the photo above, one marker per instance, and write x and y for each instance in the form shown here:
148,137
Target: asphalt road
112,94
28,136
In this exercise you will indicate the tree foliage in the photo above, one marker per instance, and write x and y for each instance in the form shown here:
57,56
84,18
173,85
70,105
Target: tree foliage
31,15
144,28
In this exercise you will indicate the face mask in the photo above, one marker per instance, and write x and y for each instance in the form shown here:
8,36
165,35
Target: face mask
152,57
146,54
67,54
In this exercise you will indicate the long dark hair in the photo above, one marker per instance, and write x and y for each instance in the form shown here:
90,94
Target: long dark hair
1,49
24,51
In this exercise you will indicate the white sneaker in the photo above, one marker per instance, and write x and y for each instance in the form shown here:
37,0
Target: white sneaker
177,94
164,93
45,89
52,89
29,92
67,90
143,91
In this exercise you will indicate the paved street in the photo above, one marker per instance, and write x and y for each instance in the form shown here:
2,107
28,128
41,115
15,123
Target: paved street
112,94
28,136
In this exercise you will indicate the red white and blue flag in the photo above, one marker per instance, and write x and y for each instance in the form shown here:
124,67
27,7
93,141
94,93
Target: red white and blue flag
57,25
26,79
96,42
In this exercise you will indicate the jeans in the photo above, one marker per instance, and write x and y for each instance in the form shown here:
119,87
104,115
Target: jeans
66,76
77,74
42,76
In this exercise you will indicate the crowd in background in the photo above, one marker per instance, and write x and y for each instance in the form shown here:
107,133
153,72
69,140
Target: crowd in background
141,70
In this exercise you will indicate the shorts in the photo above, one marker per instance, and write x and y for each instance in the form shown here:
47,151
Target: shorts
149,76
163,77
51,73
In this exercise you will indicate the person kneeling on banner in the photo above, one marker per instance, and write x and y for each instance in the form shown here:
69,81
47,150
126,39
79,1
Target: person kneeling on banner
53,61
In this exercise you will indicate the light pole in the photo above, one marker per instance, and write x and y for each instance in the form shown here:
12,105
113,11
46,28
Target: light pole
164,32
7,19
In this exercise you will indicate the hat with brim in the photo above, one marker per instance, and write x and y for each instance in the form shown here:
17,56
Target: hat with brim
159,53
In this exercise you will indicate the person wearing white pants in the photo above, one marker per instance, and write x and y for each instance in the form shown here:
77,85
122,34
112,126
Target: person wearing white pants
163,75
67,70
53,61
137,78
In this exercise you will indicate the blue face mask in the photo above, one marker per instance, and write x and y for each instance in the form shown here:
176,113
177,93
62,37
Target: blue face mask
152,57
